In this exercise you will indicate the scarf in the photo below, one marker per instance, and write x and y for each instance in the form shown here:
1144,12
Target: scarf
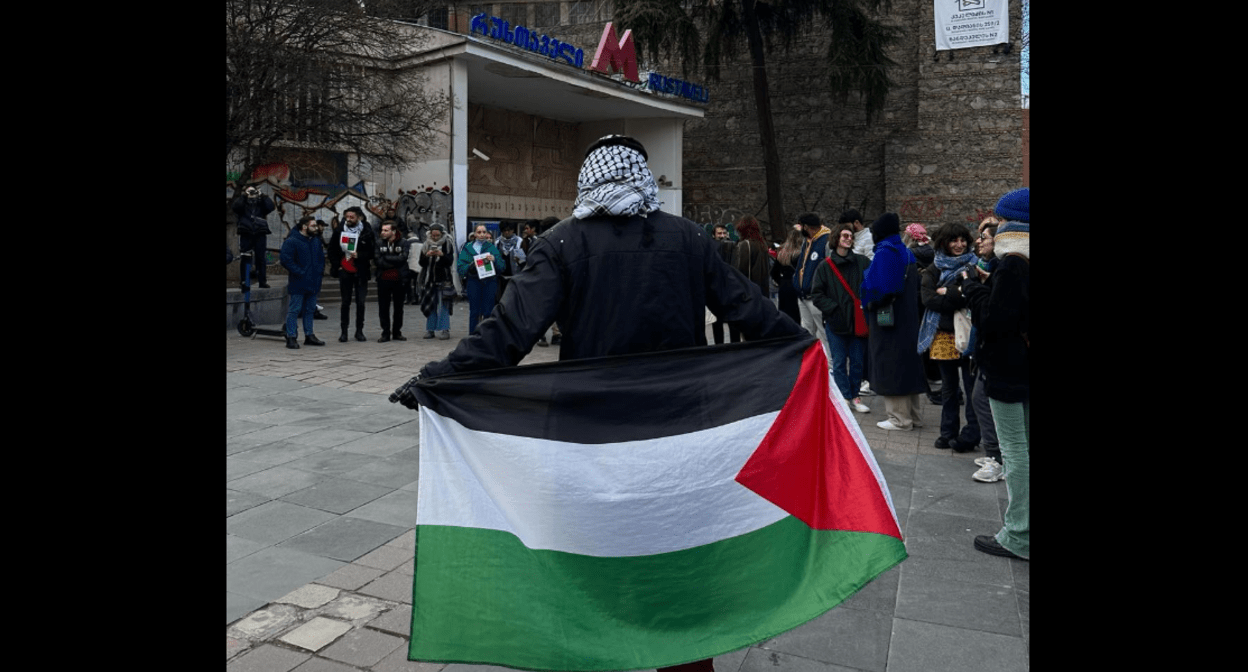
507,245
615,181
427,273
949,268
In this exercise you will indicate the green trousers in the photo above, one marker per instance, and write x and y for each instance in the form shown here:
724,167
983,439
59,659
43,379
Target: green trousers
1013,423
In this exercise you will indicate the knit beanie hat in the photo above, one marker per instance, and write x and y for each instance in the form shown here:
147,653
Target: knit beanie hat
917,233
1015,206
889,224
1012,237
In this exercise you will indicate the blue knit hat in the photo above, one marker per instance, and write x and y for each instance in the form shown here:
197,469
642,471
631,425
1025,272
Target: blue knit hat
1015,206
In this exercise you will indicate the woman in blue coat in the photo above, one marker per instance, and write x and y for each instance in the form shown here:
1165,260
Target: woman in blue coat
482,293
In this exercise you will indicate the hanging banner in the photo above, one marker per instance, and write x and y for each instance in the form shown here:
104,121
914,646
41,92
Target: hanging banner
971,23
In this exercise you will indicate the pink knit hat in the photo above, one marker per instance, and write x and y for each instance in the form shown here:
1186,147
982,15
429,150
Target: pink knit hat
917,233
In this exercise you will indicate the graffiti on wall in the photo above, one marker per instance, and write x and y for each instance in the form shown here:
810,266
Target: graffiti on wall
418,207
921,208
421,208
712,214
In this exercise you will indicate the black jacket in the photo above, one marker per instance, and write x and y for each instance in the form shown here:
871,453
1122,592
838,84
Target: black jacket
1001,313
612,294
829,295
946,304
391,256
252,217
365,252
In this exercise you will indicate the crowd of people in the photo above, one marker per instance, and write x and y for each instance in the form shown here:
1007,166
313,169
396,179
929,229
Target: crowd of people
895,309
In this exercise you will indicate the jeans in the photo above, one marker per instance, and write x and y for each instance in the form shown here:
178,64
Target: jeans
481,298
983,415
440,320
257,244
949,424
846,363
1014,430
300,305
353,285
390,291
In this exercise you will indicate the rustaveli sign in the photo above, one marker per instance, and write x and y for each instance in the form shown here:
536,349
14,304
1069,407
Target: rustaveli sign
971,23
614,54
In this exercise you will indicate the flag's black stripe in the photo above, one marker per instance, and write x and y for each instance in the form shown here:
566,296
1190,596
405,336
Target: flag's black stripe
625,398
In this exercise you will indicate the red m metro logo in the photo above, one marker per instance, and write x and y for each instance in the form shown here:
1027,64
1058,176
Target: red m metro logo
616,55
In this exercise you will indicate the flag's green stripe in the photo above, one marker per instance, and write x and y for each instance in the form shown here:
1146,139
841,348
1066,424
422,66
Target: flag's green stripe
483,597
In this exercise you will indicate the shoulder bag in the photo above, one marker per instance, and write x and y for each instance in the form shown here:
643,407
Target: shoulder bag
860,320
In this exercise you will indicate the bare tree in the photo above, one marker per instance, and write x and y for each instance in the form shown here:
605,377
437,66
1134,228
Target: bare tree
324,74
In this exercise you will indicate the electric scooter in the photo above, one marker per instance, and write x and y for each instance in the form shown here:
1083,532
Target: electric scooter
246,326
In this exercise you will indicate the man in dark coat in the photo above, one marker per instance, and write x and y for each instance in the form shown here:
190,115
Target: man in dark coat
892,283
351,266
303,257
587,274
391,259
620,276
251,210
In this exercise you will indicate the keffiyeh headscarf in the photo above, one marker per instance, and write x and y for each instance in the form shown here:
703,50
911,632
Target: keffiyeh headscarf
615,181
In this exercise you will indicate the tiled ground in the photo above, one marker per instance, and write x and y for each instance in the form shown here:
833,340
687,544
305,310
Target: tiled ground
321,476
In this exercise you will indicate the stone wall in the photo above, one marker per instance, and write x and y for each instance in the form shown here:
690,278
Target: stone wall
946,146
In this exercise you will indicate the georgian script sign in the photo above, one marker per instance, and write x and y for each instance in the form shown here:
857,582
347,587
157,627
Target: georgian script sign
971,23
501,29
614,54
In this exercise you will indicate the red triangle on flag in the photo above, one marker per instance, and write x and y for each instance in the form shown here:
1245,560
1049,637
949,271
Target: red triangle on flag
810,466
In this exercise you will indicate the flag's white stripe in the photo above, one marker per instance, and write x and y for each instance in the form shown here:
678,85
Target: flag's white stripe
609,500
847,416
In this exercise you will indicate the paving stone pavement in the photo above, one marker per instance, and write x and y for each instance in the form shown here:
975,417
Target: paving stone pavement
321,474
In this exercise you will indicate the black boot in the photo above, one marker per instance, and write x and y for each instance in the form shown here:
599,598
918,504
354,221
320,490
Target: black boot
359,334
311,339
399,337
318,315
292,342
385,338
343,337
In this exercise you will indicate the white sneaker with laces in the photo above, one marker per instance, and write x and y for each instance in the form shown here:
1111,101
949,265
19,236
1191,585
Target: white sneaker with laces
887,424
981,461
991,472
865,388
857,405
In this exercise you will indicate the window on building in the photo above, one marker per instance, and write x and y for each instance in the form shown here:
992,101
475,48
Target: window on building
546,15
514,13
438,19
580,12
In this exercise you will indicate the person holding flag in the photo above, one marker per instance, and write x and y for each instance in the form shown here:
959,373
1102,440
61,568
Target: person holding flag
592,537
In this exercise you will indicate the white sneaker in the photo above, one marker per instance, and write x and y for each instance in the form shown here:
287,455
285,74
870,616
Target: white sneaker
981,461
888,424
991,472
857,405
865,388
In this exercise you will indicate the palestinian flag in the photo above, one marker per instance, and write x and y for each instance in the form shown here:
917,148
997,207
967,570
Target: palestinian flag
640,511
